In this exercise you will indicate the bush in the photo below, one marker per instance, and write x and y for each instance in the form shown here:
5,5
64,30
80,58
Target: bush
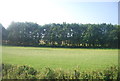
25,72
18,72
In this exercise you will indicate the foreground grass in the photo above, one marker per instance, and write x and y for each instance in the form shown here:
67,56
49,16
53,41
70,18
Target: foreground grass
86,59
25,72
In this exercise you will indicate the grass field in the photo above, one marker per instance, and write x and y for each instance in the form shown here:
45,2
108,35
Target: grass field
65,58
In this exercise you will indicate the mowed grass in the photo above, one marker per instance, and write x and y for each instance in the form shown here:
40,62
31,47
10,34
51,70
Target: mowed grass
64,58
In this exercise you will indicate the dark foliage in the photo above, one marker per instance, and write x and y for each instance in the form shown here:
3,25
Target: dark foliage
62,35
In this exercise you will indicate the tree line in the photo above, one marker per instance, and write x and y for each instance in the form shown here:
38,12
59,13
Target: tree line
61,35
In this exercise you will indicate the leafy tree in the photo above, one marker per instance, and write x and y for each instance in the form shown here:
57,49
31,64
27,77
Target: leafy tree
68,35
3,34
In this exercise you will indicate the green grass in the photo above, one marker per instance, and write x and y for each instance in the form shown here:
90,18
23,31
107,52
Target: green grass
65,58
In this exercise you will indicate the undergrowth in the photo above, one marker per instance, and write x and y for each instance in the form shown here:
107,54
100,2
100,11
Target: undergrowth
26,72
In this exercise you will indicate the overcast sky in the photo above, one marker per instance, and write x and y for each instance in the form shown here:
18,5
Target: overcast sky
58,11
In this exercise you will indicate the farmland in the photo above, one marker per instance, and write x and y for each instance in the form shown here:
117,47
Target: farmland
64,58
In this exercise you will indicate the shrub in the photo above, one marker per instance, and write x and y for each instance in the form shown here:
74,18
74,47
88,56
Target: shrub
18,72
25,72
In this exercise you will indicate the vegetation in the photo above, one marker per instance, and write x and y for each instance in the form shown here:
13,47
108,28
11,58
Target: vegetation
65,58
61,35
25,72
60,63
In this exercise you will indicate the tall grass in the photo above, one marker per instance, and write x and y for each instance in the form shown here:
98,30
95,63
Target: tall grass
26,72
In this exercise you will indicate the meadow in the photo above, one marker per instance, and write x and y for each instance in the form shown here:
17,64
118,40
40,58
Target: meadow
60,58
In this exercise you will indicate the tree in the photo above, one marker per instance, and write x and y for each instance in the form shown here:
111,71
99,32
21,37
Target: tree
23,33
3,34
68,35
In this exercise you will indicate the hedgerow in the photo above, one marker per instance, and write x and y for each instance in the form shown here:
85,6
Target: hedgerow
26,72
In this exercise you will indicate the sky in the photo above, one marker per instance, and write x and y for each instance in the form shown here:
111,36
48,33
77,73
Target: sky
58,11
